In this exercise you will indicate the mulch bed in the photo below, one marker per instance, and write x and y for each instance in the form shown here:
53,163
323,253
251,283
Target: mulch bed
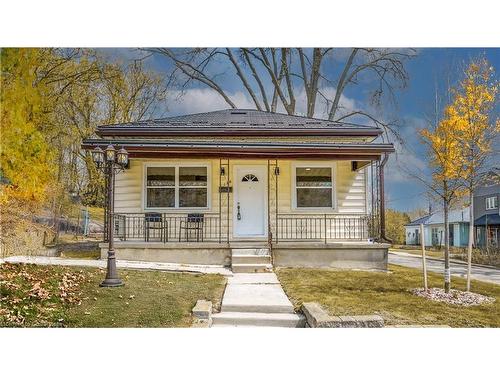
455,297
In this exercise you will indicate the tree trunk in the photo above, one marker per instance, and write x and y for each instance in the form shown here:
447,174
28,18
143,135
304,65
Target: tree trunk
424,264
447,277
471,237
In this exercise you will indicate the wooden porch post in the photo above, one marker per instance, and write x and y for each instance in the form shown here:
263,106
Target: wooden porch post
272,200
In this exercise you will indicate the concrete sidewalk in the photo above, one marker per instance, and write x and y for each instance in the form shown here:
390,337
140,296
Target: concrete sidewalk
256,300
124,264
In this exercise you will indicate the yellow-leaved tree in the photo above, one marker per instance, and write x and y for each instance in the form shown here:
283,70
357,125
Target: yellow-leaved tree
25,156
445,161
472,108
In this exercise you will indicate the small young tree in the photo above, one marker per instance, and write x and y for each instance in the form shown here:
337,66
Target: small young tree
445,160
474,100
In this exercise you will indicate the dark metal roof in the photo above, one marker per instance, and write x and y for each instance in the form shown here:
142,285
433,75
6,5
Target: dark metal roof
232,122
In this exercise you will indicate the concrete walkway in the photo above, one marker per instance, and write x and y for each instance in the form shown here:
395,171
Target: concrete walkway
256,299
128,264
487,274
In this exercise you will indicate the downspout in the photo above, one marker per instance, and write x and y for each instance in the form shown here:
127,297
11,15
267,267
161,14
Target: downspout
383,236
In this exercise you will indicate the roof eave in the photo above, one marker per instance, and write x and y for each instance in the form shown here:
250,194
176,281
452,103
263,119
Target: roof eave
367,151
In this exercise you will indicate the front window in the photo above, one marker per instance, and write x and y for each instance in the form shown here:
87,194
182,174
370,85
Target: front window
314,187
192,186
491,203
160,187
177,187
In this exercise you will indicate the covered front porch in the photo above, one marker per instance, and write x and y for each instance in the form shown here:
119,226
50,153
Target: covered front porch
346,234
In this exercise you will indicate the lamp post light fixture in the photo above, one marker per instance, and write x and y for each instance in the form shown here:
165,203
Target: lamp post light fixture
110,162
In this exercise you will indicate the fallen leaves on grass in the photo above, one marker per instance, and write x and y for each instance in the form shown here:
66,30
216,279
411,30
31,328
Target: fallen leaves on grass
69,290
37,291
37,295
455,297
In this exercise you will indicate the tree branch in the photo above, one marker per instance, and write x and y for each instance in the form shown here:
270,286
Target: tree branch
243,78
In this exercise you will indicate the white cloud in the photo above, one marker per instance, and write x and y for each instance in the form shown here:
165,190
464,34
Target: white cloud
401,162
196,100
409,156
346,105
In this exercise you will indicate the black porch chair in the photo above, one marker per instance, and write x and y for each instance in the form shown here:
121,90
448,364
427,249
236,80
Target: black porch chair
193,223
154,221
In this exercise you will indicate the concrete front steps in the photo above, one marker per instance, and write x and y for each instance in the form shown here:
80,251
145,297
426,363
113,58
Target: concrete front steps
248,260
256,300
255,319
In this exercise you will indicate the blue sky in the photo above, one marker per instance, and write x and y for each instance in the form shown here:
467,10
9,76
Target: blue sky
432,68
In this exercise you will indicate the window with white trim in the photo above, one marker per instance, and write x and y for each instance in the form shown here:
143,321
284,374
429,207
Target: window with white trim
176,187
314,187
491,203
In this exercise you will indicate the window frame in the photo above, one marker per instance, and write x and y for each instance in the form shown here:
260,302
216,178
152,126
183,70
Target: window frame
176,165
493,198
333,167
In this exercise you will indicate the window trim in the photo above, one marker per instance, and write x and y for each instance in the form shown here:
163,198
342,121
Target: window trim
326,164
493,198
176,165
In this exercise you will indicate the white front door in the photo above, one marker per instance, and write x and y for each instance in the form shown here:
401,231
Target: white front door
249,206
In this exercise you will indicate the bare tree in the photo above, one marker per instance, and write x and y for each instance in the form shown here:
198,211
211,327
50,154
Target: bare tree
92,91
272,76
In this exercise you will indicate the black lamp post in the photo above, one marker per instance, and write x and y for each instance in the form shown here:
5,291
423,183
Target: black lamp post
110,162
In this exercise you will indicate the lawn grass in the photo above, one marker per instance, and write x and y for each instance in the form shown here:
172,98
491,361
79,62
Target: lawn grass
387,294
148,299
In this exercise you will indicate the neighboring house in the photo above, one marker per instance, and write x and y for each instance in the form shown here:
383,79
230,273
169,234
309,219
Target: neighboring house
434,229
199,186
487,211
412,231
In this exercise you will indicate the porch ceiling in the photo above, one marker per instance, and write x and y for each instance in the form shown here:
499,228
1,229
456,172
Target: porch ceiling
347,151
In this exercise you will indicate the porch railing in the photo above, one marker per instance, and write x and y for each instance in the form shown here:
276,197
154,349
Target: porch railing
163,227
322,227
